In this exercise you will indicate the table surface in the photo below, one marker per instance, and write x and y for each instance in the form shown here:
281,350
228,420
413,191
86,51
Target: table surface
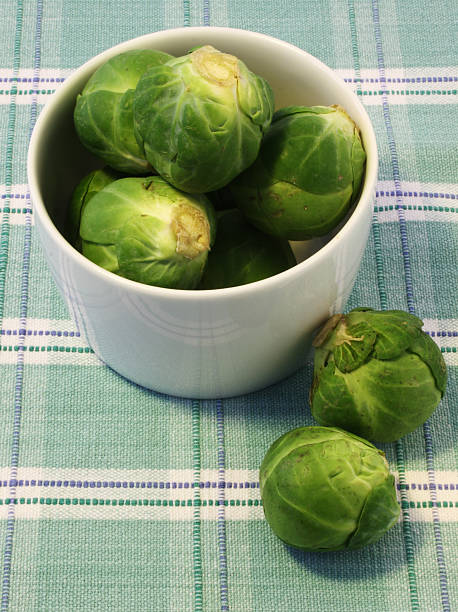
116,498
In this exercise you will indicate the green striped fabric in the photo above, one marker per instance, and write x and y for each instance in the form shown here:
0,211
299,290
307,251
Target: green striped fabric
113,497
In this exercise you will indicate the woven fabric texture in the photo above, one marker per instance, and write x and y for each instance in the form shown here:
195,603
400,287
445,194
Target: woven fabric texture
113,497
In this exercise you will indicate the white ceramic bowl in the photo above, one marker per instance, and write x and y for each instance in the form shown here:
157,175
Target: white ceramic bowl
200,344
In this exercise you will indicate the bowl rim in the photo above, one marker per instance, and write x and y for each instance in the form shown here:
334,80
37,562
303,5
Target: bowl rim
314,260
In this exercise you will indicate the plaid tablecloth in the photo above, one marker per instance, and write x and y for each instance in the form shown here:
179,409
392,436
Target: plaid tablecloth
113,497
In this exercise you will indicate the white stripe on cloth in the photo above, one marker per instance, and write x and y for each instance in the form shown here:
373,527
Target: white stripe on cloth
26,87
168,494
56,341
46,342
425,85
432,202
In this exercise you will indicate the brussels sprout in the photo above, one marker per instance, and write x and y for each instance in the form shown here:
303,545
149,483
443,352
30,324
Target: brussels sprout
146,230
308,173
103,114
91,184
242,254
325,489
376,373
201,118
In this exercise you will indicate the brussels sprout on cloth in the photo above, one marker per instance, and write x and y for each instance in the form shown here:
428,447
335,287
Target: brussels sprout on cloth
103,113
376,374
201,118
325,489
146,230
91,184
242,254
307,175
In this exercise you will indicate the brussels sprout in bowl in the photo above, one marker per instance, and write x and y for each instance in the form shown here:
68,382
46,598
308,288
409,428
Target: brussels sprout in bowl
201,118
307,174
201,343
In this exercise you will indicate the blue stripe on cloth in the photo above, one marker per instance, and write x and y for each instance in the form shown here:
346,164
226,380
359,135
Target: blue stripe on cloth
172,484
206,12
391,193
357,79
32,80
19,377
11,196
222,549
42,332
394,160
4,247
71,334
429,79
410,300
381,284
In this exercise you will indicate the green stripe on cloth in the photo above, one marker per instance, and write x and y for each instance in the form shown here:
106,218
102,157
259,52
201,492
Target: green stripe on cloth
187,13
196,528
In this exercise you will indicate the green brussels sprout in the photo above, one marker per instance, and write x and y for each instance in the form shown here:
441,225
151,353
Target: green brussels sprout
376,374
146,230
307,175
242,254
325,489
201,118
91,184
103,115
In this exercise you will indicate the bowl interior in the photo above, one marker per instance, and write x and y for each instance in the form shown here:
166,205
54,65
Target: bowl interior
58,160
